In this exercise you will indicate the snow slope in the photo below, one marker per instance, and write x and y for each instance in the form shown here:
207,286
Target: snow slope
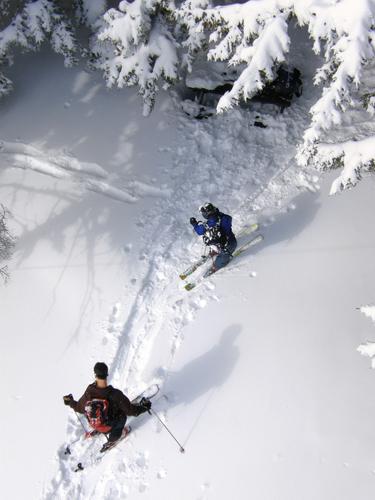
259,365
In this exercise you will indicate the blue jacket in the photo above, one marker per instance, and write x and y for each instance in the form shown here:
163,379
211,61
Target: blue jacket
223,222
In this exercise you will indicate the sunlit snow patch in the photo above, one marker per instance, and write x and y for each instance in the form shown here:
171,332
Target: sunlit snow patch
368,349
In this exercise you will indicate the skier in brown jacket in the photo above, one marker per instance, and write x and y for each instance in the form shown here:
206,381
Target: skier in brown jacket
105,407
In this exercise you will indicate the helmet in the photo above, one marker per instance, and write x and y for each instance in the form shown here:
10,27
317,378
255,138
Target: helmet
101,370
207,210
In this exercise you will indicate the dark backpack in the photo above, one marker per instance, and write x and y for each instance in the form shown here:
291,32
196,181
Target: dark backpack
96,411
215,235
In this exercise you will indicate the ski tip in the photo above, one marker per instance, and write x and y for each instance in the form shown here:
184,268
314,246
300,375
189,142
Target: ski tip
182,276
189,286
250,228
151,391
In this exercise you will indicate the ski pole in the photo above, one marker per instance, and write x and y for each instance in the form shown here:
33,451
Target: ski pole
79,420
182,449
67,449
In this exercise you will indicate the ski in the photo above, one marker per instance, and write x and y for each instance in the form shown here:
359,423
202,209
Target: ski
193,267
148,393
245,231
125,433
257,239
245,246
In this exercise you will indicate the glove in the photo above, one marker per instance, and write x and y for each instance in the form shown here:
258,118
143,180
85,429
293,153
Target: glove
145,404
68,399
193,221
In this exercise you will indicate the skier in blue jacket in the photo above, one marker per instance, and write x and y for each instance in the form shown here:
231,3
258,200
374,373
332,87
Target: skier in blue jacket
217,232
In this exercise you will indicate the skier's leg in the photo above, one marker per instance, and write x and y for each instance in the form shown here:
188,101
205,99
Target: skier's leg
225,255
117,428
231,245
222,260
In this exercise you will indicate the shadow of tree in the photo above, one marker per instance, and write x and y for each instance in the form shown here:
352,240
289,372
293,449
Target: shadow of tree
75,225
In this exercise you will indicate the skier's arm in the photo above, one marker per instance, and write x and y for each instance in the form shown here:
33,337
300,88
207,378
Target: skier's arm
200,229
128,408
226,224
79,405
198,226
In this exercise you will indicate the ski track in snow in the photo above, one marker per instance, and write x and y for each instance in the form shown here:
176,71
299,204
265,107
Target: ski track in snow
249,172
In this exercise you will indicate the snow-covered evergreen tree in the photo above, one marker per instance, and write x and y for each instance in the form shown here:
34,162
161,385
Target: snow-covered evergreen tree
150,43
7,243
137,47
6,85
342,130
192,30
34,23
254,35
90,11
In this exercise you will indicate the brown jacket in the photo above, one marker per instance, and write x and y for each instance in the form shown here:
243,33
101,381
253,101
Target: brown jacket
119,404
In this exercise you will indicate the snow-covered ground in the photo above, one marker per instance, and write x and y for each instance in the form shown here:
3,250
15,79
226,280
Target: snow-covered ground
264,386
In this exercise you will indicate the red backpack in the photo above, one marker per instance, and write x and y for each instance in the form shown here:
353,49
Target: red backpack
96,411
